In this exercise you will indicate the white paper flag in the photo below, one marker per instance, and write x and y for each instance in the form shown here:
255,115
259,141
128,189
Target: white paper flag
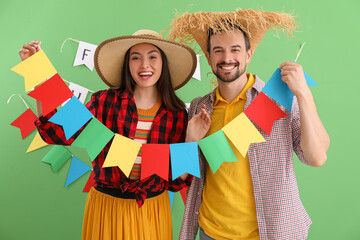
85,55
197,74
187,106
78,91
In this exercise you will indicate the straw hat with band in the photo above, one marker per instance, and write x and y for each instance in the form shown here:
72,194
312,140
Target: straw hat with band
255,24
109,57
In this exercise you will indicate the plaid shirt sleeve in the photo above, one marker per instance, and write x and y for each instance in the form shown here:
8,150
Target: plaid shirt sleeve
296,131
52,133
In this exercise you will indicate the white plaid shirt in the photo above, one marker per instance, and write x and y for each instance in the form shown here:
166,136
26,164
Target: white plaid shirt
280,213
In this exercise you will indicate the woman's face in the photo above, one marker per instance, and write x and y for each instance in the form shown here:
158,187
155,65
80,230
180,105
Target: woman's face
145,65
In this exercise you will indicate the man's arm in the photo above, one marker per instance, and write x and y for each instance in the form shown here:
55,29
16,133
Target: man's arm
314,139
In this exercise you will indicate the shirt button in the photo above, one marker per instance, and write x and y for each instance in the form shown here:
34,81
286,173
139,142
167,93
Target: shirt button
197,213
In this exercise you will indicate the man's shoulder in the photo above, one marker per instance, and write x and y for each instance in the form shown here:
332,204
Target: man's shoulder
206,100
258,84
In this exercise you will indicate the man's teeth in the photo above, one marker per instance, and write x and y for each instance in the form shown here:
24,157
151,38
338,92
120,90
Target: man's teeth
227,68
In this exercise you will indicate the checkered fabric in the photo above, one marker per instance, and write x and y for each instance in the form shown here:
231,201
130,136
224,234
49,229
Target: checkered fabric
117,111
280,213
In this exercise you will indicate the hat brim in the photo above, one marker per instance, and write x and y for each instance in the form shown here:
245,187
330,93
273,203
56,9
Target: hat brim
109,58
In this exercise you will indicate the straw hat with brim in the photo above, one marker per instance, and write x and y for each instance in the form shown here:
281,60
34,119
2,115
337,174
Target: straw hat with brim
194,26
109,57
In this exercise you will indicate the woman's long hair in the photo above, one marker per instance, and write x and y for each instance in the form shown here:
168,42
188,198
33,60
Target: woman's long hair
164,85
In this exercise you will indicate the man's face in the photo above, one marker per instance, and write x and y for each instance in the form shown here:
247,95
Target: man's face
228,57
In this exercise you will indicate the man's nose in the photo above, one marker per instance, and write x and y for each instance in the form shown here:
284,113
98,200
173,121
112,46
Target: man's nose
227,57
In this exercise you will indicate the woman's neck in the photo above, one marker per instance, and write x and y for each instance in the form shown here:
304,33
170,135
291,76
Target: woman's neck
145,98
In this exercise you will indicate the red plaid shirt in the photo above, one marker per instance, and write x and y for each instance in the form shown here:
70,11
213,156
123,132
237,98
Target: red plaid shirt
117,111
279,211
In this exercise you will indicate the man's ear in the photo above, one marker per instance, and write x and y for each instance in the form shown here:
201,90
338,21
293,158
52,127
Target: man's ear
249,55
207,55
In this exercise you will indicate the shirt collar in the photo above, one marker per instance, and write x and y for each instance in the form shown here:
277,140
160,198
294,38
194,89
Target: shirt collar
242,95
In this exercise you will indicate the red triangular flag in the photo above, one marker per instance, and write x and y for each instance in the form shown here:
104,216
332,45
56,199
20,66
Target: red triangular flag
263,112
26,122
183,194
155,160
90,182
51,93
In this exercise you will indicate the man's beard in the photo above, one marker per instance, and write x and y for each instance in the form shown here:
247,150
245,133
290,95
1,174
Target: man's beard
232,78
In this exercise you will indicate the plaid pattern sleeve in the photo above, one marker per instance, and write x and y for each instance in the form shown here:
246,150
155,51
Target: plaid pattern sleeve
117,111
296,131
52,133
279,210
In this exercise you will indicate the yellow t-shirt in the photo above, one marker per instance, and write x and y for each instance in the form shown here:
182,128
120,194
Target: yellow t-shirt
228,209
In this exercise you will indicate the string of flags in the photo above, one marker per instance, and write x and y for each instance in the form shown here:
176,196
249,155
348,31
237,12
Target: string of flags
53,92
85,56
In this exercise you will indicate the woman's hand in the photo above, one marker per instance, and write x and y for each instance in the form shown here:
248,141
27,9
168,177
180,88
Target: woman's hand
198,126
29,49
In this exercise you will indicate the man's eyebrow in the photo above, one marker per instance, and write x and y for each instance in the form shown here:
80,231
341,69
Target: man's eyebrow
216,47
236,46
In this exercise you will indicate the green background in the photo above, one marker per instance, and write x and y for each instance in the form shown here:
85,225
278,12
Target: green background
33,201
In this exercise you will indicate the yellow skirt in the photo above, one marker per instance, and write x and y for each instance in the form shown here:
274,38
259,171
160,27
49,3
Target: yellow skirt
110,218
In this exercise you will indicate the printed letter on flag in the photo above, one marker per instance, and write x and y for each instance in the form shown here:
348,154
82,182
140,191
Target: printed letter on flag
72,117
79,91
155,160
25,122
76,170
93,138
51,94
217,150
85,55
122,153
241,132
36,69
264,112
184,159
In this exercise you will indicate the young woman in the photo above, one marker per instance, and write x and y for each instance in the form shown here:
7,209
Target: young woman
143,70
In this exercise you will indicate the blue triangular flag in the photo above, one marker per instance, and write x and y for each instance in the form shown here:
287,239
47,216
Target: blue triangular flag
309,81
171,196
72,116
280,92
184,159
77,169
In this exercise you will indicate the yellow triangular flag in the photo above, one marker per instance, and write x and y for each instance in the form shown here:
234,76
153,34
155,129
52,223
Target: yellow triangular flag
36,69
122,153
242,132
36,143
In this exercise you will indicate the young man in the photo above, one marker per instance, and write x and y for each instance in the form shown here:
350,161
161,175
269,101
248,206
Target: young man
256,197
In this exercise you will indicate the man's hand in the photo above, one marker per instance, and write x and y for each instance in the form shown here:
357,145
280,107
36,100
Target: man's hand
29,49
293,75
198,126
